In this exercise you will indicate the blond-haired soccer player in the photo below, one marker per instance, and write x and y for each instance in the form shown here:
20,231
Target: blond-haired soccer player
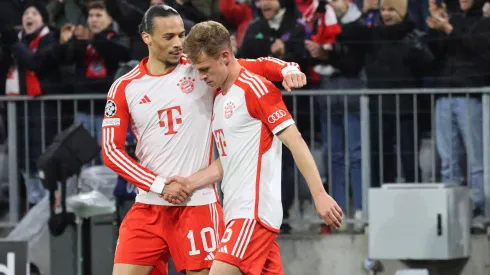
250,123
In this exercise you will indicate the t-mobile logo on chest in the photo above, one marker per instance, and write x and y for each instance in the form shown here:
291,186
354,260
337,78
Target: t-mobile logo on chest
219,136
169,118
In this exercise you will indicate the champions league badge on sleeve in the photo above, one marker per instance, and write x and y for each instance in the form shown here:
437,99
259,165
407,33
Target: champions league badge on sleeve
110,108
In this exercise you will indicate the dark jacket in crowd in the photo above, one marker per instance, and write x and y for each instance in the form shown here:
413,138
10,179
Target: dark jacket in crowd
11,13
396,57
42,117
464,55
347,59
347,54
42,62
259,38
10,16
111,46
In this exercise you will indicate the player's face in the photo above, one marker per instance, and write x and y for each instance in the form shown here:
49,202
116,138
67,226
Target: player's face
213,70
165,41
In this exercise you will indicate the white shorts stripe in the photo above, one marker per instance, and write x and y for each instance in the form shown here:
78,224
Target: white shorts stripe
248,239
244,225
244,238
216,223
214,219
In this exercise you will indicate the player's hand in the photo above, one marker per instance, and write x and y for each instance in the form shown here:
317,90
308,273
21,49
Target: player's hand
328,209
294,80
175,192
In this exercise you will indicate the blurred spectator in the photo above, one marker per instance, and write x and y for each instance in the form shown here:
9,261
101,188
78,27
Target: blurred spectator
10,16
11,13
128,14
462,44
239,14
308,9
395,57
419,10
343,129
208,8
33,71
279,33
486,9
186,9
96,52
67,12
371,13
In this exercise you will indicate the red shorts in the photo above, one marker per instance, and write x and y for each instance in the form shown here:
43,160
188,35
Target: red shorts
251,247
149,234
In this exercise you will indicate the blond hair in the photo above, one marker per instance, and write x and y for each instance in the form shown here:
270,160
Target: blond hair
208,37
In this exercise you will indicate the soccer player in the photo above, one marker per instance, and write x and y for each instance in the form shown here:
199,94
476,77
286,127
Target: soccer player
169,109
250,124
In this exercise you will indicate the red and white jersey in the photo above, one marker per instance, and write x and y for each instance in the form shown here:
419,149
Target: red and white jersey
245,123
170,116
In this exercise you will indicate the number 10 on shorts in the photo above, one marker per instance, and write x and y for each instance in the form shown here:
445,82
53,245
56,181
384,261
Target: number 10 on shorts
206,233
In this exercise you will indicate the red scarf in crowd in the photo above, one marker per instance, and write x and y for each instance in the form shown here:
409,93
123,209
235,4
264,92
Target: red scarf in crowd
95,63
33,86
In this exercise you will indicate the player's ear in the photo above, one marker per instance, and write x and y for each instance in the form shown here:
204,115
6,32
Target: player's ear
146,38
226,56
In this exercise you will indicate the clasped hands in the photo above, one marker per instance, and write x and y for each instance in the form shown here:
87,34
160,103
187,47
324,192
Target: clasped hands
176,190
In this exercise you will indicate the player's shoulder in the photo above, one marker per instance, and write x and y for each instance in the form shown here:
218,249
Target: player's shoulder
118,87
255,85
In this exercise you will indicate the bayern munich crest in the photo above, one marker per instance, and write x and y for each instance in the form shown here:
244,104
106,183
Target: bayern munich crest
229,109
186,85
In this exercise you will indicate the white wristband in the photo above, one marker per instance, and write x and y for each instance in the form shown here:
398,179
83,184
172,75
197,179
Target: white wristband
157,185
288,69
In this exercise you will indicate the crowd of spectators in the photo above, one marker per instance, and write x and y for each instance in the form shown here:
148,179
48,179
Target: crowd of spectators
56,47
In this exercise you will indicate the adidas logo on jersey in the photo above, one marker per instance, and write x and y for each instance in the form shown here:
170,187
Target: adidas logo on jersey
209,257
145,99
224,249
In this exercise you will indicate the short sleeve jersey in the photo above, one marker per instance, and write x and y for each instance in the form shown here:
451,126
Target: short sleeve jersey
245,123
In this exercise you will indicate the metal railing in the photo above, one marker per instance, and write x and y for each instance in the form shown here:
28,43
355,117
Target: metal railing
311,109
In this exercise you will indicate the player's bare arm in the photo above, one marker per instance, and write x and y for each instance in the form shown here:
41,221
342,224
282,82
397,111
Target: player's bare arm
204,177
325,204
